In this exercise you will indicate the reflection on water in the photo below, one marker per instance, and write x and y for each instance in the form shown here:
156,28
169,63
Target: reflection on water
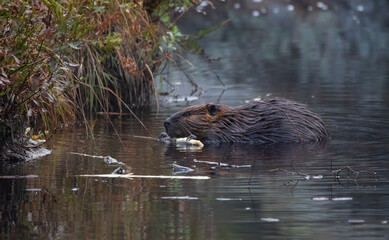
333,57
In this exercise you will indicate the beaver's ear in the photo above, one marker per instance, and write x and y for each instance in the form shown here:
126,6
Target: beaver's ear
212,109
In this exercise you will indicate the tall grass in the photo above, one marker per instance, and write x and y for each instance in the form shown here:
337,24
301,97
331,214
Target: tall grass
130,40
118,56
65,57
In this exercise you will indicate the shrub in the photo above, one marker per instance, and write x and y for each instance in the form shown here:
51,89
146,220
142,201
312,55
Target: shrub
61,58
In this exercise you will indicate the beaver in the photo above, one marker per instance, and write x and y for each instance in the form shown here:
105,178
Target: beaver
270,120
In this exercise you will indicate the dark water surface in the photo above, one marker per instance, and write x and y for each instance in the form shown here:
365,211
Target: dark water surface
334,58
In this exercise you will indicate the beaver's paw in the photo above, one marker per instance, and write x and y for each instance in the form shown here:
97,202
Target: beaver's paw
191,137
164,137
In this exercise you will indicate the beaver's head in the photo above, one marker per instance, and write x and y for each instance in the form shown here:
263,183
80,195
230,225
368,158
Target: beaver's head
196,120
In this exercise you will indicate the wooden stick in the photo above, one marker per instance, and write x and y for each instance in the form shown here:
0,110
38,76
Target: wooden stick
129,176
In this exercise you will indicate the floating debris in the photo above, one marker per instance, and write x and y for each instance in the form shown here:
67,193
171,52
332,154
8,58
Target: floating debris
130,176
182,99
342,199
270,219
308,177
320,199
211,163
110,160
189,141
228,199
290,8
119,170
75,189
33,189
222,164
35,141
181,169
356,221
181,198
186,143
107,159
37,153
240,166
333,199
317,177
17,176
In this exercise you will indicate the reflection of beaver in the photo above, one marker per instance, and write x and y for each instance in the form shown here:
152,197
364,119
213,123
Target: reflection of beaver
267,121
265,157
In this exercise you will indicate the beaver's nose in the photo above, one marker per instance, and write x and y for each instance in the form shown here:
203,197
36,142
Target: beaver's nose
167,124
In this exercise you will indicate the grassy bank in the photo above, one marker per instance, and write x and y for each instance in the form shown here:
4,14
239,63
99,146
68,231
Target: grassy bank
62,59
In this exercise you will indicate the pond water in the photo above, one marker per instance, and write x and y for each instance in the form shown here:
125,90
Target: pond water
333,56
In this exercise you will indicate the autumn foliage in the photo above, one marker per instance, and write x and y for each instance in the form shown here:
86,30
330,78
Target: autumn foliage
61,59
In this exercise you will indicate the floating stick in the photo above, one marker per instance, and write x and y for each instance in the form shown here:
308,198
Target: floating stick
129,176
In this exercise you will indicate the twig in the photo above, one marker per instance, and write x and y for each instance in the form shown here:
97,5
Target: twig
155,87
357,173
187,76
18,176
217,76
293,173
109,119
129,109
252,172
252,202
143,137
129,176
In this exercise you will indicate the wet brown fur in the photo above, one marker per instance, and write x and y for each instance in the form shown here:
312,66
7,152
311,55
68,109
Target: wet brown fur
267,121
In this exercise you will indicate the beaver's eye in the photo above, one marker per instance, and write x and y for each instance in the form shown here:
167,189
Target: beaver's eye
213,109
186,114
